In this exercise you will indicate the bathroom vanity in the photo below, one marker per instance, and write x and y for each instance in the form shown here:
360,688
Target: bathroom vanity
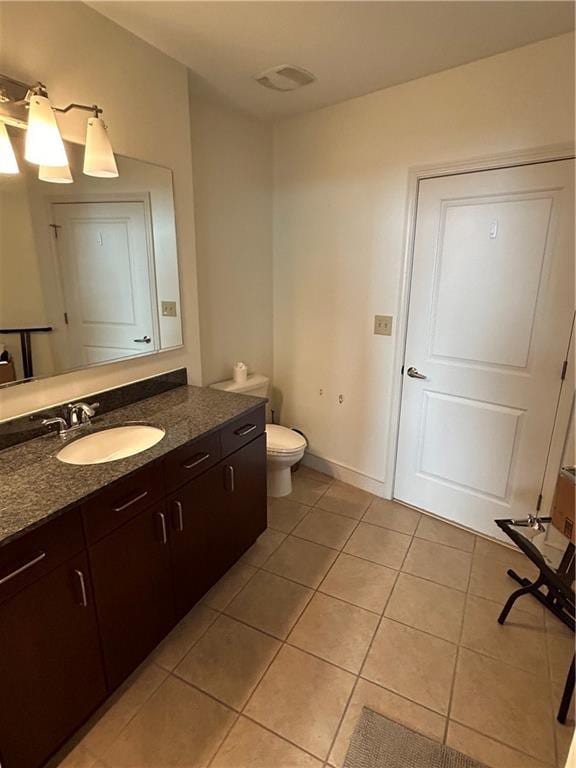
99,562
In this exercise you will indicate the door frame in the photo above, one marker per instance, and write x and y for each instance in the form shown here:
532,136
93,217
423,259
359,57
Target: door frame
416,174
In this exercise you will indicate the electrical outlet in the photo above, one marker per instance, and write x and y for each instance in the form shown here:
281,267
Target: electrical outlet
168,309
383,325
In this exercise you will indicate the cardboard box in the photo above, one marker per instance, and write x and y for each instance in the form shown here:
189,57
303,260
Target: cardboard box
7,372
564,502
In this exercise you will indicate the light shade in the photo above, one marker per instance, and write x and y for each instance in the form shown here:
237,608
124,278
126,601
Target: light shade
8,163
55,175
44,145
99,158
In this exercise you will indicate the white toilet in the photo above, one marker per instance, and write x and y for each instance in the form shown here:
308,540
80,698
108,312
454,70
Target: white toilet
284,446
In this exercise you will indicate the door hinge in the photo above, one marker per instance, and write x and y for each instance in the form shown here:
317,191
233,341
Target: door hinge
564,369
539,503
55,228
66,317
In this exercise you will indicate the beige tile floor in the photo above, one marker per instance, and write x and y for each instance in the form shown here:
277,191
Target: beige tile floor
346,600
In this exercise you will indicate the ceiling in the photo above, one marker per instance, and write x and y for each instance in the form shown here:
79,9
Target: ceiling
353,48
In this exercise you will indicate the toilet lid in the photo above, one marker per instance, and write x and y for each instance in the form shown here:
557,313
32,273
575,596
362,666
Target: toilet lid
283,440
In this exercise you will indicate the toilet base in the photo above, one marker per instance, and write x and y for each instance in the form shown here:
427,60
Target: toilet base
279,482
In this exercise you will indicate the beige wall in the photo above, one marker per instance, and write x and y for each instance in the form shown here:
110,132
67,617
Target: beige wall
340,209
232,157
82,56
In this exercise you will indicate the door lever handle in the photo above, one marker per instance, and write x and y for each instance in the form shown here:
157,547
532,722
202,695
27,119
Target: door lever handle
414,373
144,340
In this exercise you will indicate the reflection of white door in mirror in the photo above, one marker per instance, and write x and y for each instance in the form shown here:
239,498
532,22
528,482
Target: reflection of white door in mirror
107,273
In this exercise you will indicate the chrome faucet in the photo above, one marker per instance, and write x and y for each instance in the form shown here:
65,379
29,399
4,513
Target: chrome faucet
77,415
80,413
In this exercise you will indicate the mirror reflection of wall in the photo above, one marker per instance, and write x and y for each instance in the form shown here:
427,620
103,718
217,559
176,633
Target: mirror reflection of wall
91,264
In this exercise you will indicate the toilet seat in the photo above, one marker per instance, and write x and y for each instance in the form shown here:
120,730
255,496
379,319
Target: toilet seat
282,441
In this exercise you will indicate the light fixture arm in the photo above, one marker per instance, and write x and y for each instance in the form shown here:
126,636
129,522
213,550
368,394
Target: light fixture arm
38,89
95,109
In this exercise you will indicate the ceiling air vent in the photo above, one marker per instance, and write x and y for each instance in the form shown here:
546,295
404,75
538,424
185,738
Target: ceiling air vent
285,77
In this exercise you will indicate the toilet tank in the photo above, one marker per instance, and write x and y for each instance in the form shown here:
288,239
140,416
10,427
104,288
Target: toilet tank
256,384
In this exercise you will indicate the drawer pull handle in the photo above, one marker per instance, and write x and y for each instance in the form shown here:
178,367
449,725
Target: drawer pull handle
197,459
245,430
132,501
163,527
83,594
230,473
23,568
180,516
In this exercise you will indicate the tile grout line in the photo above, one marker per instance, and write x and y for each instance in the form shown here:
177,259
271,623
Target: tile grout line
368,650
359,673
284,643
458,646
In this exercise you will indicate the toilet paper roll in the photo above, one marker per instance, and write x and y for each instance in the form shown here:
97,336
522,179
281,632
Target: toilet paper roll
240,373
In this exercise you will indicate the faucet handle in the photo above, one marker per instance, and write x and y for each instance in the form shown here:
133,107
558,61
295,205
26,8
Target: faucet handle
62,425
89,410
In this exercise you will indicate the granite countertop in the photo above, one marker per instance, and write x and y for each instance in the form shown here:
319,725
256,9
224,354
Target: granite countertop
35,485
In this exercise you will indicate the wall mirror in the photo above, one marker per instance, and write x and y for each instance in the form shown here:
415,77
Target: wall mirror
88,268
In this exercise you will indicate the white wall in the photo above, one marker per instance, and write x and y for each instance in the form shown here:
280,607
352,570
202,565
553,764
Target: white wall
82,56
340,207
232,158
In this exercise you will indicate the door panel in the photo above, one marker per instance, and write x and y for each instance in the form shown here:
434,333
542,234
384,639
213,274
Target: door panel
472,422
475,315
491,308
133,591
245,483
199,539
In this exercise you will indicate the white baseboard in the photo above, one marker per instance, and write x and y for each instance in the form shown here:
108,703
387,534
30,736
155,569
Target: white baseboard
346,474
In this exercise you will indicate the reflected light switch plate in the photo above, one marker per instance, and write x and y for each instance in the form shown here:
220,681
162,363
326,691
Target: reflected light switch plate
383,325
168,309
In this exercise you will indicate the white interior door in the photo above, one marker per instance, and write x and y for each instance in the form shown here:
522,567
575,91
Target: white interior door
491,307
108,286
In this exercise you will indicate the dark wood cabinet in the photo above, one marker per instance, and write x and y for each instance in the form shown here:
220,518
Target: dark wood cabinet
87,596
199,553
214,519
51,676
244,479
133,591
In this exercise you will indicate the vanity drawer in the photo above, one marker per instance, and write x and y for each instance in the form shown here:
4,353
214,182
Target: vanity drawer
242,430
191,460
121,500
39,551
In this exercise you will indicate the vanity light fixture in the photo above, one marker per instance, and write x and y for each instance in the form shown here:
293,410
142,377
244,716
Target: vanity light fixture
55,174
99,158
28,107
44,145
8,162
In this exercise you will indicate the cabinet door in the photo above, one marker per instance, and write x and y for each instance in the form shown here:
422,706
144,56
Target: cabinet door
133,591
245,487
201,540
51,676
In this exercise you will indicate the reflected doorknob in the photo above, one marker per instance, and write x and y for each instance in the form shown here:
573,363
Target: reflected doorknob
144,340
414,373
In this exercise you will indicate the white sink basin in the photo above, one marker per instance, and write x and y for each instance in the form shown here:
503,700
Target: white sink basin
111,444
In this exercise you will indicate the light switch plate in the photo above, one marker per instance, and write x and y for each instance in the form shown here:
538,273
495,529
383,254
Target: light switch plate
169,309
383,325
